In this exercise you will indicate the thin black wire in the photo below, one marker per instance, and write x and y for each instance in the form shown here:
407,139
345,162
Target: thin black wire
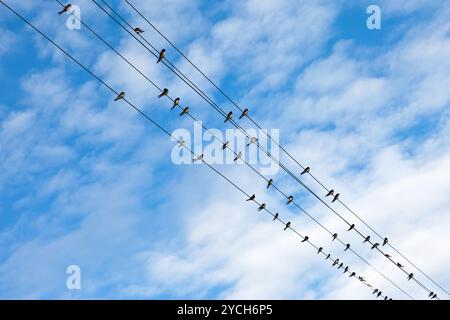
281,147
206,129
156,124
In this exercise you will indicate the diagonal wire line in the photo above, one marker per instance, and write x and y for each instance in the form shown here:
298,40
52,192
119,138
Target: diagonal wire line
250,166
281,147
287,226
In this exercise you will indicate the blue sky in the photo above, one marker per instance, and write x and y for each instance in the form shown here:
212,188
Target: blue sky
86,181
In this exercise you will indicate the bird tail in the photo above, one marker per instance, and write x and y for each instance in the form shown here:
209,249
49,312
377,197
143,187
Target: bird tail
159,60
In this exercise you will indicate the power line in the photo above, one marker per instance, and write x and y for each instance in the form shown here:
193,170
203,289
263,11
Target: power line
281,147
205,128
286,224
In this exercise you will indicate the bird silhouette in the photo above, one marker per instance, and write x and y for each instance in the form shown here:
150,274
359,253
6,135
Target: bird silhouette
366,239
252,141
290,199
434,296
120,96
351,227
335,262
269,183
320,250
375,291
262,207
361,279
347,246
198,158
287,225
252,197
138,30
185,111
379,294
306,238
65,9
375,245
275,217
238,156
387,255
352,274
385,241
244,113
225,145
346,269
410,276
385,298
162,54
399,265
229,116
341,265
334,236
306,170
431,294
336,197
165,92
176,102
328,256
330,193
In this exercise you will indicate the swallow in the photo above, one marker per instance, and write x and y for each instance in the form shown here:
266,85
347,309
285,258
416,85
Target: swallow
387,255
176,102
341,265
375,291
335,262
346,269
366,239
185,111
306,170
120,96
162,54
385,241
138,30
434,296
290,199
375,245
244,114
336,197
334,236
351,227
262,207
275,217
252,197
269,183
399,265
306,238
347,246
229,116
225,145
165,92
288,224
238,156
320,250
431,294
385,298
410,276
352,274
65,9
361,279
330,193
328,256
198,158
252,140
379,294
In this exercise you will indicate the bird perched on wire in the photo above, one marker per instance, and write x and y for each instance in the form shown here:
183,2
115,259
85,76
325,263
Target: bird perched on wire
288,225
410,276
165,92
361,279
385,298
341,265
244,114
185,111
434,296
334,236
352,274
347,246
306,238
120,96
351,227
252,140
336,197
431,294
225,145
306,170
269,183
262,207
379,294
399,265
275,217
375,291
328,256
346,269
162,55
229,116
290,199
65,9
366,239
387,255
252,197
176,102
330,193
385,241
320,250
198,158
375,245
138,30
238,156
335,262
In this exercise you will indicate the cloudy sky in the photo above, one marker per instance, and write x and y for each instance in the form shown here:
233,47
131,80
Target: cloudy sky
86,181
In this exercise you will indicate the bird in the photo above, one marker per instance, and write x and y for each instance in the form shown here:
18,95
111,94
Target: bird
387,255
330,193
306,170
375,245
306,238
336,197
385,298
185,111
165,92
351,227
229,116
225,145
352,274
361,279
346,269
335,262
269,183
262,207
252,140
120,96
375,291
238,156
65,9
385,241
399,265
290,199
176,102
341,265
431,294
434,296
198,158
366,239
244,113
162,54
347,246
334,236
182,143
410,276
379,294
252,197
275,217
288,224
328,256
138,30
320,250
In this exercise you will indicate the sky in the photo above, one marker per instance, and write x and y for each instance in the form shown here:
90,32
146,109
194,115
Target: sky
86,181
